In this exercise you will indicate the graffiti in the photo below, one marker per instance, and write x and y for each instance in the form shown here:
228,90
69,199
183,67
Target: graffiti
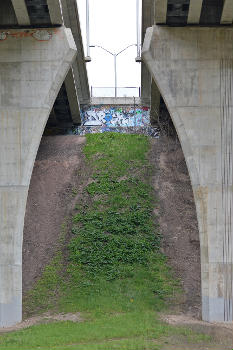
122,119
109,116
37,34
42,35
3,36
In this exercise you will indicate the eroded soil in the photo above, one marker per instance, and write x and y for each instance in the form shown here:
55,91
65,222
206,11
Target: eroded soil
50,200
178,222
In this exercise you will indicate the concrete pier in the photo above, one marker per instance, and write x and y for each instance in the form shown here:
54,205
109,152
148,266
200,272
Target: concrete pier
33,65
193,68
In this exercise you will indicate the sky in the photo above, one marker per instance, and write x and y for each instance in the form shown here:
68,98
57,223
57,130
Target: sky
112,26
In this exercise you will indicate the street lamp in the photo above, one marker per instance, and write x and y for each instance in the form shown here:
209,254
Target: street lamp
115,63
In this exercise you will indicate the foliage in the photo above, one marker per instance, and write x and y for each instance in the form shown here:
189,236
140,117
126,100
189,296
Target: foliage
120,229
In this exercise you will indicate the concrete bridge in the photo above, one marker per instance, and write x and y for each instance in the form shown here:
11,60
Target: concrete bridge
42,74
189,54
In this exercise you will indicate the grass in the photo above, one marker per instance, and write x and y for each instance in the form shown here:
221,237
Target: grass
112,270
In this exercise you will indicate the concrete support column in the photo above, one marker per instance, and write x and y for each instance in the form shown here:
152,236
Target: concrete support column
33,65
193,68
155,104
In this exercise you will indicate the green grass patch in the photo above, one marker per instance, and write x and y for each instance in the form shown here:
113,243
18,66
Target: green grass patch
118,331
112,272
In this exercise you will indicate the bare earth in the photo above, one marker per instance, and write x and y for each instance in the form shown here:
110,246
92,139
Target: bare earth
44,318
177,218
178,224
50,201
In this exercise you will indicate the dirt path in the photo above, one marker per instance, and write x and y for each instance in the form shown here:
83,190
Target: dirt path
46,317
53,182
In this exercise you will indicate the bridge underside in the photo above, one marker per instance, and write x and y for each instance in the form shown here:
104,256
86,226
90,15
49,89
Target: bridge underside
20,14
193,69
202,12
180,13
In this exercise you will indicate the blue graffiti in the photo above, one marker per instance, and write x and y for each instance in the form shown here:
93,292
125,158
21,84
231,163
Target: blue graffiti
115,116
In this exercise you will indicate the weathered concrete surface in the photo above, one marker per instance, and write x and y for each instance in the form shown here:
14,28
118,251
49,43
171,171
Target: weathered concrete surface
148,19
160,11
155,103
33,66
71,20
194,15
193,68
21,12
227,12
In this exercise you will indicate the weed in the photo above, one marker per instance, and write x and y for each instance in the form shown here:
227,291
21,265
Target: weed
74,192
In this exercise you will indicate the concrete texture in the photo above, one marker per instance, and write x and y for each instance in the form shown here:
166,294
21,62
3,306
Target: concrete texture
183,12
147,21
33,65
71,20
72,97
160,11
194,11
193,68
21,12
55,11
155,103
227,13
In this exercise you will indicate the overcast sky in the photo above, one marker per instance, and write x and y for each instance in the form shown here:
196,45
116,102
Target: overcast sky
113,26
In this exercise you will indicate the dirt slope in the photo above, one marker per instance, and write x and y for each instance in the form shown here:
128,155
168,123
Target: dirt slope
58,160
50,200
177,217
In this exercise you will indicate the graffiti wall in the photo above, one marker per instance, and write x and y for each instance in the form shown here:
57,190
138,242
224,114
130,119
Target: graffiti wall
123,119
109,116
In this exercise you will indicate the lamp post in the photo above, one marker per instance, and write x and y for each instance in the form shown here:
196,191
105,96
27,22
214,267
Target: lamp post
115,60
138,29
87,58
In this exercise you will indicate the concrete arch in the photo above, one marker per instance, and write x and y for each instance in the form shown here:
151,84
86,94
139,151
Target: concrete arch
193,68
177,121
33,65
